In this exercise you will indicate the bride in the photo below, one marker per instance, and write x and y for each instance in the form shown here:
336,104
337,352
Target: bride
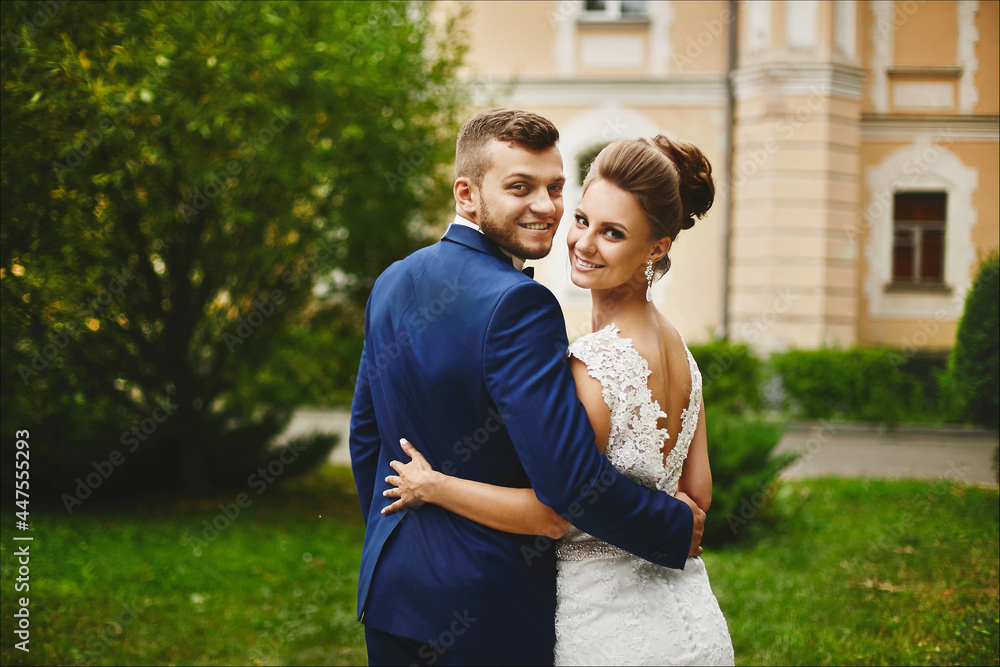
642,391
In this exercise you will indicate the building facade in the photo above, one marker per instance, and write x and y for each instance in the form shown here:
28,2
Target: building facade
854,144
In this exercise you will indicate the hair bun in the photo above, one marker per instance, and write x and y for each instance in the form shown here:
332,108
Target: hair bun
696,187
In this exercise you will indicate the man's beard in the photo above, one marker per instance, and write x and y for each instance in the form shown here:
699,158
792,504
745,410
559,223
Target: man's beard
505,236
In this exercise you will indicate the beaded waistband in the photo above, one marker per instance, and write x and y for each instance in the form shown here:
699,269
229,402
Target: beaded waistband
589,550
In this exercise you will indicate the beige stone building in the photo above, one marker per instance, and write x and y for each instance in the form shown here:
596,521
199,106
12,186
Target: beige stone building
854,142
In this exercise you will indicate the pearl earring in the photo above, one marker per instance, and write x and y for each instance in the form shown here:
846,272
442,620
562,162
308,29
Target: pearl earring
649,280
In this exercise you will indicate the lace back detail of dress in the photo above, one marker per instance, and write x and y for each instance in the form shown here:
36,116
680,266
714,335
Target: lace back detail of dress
635,443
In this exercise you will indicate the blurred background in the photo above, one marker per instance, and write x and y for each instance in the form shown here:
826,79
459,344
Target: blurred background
198,196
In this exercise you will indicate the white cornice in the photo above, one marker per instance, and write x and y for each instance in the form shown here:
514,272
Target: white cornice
798,78
687,91
942,128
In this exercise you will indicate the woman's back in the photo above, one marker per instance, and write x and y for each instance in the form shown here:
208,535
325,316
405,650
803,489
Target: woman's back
670,373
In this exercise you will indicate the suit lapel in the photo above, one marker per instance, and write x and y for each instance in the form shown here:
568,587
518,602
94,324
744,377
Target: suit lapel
475,240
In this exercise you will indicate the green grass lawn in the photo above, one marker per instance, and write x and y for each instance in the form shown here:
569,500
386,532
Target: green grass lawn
839,572
866,572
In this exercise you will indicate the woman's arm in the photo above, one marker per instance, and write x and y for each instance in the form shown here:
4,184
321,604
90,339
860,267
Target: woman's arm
591,394
696,476
499,507
503,508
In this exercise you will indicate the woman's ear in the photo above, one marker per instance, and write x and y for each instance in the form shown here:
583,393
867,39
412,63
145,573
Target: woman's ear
466,196
660,249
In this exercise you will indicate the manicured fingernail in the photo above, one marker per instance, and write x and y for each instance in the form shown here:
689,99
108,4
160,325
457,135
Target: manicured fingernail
402,441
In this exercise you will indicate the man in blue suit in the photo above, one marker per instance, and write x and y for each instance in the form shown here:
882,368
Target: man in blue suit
466,356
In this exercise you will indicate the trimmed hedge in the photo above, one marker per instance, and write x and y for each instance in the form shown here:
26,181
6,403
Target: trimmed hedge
877,384
732,376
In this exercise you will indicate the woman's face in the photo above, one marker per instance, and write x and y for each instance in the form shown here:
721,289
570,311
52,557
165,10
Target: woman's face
609,241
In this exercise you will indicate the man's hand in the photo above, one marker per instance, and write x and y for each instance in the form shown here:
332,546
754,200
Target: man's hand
698,530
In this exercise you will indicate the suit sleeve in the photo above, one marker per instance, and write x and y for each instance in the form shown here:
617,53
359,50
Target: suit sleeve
365,442
528,376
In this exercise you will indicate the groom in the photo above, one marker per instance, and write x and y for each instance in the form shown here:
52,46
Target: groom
465,356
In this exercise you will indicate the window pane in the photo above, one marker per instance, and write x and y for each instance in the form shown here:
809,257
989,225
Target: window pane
902,256
584,159
596,5
633,7
932,256
920,206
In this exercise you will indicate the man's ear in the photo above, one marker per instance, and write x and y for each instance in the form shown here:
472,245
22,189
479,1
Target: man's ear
660,249
466,198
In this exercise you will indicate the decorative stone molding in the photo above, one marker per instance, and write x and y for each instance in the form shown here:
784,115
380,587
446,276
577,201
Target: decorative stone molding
940,128
675,91
802,26
968,37
799,78
883,42
923,166
846,30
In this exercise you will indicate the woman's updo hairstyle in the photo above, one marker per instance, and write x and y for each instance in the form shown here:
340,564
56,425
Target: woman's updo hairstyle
671,181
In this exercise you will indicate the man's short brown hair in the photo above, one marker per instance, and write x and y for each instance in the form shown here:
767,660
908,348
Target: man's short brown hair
513,125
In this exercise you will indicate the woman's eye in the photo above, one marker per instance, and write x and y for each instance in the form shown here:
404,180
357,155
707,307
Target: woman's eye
518,186
582,221
614,234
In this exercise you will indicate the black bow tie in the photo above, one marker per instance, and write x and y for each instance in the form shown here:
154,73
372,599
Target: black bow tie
529,271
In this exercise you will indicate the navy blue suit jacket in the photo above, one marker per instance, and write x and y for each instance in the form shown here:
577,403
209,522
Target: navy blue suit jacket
466,357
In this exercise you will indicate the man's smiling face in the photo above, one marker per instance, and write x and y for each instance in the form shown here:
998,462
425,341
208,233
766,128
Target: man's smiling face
520,200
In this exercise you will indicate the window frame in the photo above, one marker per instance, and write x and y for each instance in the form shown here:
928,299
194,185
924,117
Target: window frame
612,13
916,230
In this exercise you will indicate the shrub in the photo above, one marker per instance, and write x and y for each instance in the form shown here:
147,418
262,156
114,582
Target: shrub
974,366
744,472
878,384
179,179
731,375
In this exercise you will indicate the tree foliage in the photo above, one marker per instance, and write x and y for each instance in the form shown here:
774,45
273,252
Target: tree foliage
974,365
184,184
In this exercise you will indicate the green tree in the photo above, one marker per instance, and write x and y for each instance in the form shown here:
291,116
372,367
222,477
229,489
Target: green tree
181,180
974,364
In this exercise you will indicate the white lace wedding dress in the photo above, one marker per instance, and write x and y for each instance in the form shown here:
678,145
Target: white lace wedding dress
613,608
